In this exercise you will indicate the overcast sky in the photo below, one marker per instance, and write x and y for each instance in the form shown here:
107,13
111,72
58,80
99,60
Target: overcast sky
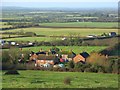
62,3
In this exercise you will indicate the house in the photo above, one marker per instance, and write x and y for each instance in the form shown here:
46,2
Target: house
71,56
13,43
2,42
64,38
112,34
42,60
65,55
91,36
81,57
30,43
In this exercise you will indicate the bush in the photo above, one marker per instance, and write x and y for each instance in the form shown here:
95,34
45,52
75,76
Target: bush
5,56
101,69
71,64
67,80
21,67
98,59
30,66
12,72
115,67
93,68
78,65
14,55
30,34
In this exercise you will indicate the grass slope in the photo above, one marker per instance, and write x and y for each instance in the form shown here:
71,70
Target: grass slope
47,79
76,49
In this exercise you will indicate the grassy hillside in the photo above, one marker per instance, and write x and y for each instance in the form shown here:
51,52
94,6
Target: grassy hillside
47,79
76,49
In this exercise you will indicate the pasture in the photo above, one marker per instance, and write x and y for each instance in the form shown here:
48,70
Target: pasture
32,39
3,25
76,49
7,35
64,31
48,79
84,24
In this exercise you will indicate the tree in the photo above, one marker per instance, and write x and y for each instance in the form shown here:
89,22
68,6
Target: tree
71,64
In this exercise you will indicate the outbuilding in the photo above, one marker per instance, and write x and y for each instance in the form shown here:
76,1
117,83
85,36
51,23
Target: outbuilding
81,57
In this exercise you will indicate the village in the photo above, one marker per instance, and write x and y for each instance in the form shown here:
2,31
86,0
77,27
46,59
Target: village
59,44
55,57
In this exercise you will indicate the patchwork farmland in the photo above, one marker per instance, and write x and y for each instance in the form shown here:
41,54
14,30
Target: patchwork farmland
59,48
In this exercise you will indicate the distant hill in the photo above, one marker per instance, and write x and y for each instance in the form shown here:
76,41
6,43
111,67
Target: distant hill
112,51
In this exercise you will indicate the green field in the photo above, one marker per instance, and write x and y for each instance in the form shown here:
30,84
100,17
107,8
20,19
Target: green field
83,24
64,31
76,49
47,79
2,25
7,35
32,39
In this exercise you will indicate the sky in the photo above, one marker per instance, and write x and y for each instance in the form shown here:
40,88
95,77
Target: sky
62,3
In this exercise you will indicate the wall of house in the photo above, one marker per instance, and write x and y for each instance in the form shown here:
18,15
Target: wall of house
78,58
42,62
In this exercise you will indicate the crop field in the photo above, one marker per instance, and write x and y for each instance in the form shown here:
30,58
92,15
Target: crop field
83,24
47,79
65,31
76,49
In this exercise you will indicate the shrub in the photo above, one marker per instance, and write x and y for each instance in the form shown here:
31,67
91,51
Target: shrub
21,67
71,64
26,56
7,66
67,80
115,67
14,55
101,69
94,68
5,56
98,59
78,65
30,66
87,70
30,34
12,72
71,70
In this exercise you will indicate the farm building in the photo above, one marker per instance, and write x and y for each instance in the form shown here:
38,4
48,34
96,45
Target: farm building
112,34
91,36
2,42
81,57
